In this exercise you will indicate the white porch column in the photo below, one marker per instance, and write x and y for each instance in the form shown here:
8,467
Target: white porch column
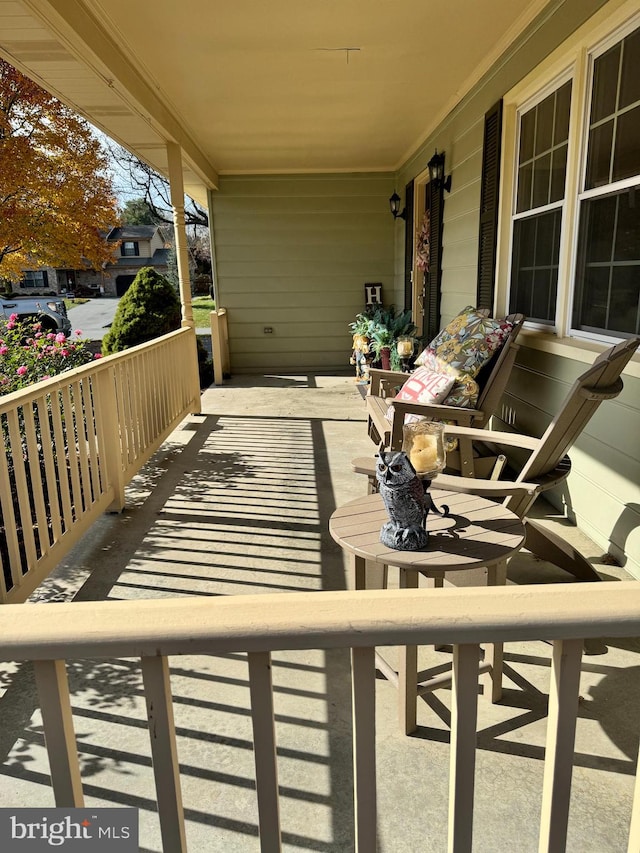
212,245
174,156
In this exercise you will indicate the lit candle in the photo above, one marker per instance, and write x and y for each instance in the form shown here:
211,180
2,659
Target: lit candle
424,453
405,348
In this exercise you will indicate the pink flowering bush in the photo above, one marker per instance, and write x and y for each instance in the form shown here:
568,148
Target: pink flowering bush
29,354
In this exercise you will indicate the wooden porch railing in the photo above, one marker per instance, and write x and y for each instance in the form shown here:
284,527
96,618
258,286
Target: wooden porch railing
152,630
72,443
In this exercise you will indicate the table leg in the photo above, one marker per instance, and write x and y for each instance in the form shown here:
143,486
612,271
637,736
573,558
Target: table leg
408,669
359,572
494,652
365,574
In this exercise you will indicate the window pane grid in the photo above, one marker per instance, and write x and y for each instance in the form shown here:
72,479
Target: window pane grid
542,151
613,151
534,274
608,281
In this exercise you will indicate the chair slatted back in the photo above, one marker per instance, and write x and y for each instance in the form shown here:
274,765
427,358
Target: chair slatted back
600,382
493,378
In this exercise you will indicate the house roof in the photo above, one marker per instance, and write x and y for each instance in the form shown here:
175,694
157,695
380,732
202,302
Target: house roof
132,232
255,87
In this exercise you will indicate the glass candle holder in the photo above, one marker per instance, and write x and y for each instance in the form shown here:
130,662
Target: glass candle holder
404,347
423,442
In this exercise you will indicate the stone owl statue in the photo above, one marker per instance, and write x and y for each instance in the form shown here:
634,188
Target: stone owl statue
406,501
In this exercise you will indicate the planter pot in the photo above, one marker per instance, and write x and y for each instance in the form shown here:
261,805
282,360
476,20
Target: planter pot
385,358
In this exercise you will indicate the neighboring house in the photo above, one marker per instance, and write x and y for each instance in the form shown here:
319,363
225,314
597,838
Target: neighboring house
136,246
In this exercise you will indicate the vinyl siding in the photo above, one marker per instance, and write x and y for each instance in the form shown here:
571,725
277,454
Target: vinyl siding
293,253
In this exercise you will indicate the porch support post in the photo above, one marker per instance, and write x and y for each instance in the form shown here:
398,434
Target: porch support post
212,246
174,157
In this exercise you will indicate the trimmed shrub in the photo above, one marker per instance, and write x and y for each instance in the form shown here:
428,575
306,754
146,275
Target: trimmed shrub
150,308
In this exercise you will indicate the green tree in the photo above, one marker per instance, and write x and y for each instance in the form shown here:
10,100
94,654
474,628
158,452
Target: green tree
150,308
137,211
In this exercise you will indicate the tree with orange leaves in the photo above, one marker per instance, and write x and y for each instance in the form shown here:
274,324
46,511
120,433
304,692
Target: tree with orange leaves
55,191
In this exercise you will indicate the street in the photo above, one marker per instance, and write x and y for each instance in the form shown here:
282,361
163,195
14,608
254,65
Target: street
93,318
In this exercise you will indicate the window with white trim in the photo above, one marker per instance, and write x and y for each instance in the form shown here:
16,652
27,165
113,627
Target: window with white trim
604,298
542,167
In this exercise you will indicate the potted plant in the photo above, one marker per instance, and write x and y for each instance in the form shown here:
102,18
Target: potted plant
383,327
388,326
382,342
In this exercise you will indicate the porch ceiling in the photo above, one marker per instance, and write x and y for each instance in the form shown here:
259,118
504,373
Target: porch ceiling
255,87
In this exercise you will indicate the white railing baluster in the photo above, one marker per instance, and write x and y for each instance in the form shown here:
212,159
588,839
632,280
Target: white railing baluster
166,770
88,406
363,700
407,669
60,739
79,415
44,540
155,399
9,521
68,406
464,718
121,382
561,729
21,488
61,464
137,438
264,749
51,478
634,830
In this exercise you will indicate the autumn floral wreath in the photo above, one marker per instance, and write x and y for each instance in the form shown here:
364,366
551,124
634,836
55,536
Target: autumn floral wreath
422,244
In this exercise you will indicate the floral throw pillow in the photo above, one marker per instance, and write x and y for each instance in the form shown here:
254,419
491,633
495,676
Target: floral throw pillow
464,393
466,316
466,344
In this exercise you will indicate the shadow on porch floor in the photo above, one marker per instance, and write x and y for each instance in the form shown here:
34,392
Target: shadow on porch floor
238,501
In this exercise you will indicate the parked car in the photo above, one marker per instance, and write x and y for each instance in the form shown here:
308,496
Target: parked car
87,290
49,311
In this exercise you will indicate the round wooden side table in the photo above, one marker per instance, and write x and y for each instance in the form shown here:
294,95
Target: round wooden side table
476,533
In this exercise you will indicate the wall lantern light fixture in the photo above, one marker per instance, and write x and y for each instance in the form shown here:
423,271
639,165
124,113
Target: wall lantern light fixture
394,205
436,172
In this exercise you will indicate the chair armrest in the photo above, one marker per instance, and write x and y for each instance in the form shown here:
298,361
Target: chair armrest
489,436
438,412
473,486
376,376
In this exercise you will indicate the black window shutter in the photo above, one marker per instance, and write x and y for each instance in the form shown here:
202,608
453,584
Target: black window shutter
435,205
408,247
136,248
490,187
45,278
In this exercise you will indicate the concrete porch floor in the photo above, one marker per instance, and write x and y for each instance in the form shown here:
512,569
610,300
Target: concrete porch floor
237,501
